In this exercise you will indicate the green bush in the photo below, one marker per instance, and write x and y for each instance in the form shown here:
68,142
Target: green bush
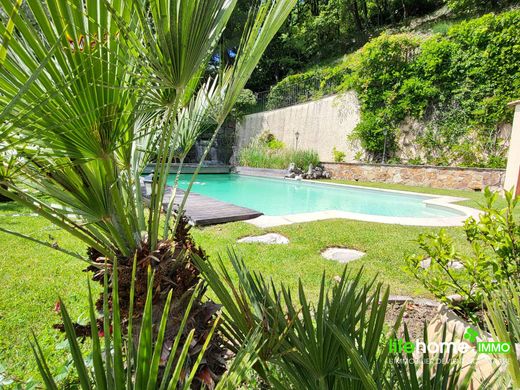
339,156
244,105
293,89
268,139
493,263
458,83
307,86
339,341
472,6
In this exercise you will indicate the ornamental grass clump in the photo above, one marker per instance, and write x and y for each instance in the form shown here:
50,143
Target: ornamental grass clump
266,151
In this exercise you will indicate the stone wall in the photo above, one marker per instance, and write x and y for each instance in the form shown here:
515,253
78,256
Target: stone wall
321,125
425,176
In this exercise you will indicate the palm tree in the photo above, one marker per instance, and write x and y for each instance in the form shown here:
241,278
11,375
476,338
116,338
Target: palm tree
88,90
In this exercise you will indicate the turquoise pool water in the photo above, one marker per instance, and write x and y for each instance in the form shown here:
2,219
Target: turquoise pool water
284,197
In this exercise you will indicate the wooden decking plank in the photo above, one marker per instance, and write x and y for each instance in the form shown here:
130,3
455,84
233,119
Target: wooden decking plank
202,210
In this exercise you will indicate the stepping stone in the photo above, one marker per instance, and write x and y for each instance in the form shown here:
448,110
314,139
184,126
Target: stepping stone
269,238
455,265
342,255
424,264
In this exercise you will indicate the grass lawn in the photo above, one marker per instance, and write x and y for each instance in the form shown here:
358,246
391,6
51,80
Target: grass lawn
32,277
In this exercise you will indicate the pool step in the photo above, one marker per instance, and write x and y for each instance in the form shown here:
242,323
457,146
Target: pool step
202,210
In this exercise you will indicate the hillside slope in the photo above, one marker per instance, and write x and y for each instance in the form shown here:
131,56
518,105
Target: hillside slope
455,79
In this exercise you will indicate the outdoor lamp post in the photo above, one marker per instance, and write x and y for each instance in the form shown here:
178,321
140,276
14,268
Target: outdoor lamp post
297,136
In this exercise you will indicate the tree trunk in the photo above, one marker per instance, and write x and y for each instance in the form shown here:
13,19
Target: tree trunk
355,13
173,271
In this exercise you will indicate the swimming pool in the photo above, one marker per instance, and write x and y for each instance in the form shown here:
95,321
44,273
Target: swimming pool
279,197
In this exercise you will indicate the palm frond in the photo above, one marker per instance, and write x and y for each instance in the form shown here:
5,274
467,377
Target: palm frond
503,319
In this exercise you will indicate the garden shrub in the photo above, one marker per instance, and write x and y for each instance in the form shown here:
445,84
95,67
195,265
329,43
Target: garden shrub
339,156
457,83
268,139
472,6
244,104
493,263
293,89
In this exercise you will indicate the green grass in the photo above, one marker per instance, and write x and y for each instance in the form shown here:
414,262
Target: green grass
32,277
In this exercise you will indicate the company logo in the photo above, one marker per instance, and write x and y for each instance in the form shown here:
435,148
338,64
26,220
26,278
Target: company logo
471,335
488,347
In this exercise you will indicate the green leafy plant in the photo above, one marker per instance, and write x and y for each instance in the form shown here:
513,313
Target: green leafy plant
457,83
268,152
493,263
503,320
268,139
471,6
339,156
244,105
340,341
118,363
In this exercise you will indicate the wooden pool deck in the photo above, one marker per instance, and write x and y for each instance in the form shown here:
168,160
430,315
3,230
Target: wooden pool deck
202,210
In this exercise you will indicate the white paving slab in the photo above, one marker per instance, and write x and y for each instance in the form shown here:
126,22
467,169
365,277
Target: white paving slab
269,238
342,255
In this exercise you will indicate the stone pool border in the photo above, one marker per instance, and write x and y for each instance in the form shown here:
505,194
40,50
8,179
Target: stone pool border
266,221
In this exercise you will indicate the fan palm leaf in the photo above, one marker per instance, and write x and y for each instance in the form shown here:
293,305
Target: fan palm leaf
89,88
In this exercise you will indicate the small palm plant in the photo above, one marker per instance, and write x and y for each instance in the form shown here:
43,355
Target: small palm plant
339,342
119,364
503,320
90,90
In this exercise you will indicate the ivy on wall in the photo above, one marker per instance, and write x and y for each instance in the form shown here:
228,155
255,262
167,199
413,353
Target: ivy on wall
457,83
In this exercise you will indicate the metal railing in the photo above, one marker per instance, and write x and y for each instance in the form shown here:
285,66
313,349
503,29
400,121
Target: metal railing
311,89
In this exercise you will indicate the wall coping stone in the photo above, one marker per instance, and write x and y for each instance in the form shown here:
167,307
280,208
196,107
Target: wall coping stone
416,166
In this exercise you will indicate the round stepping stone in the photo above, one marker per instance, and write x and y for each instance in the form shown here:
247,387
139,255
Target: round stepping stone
342,255
456,265
269,238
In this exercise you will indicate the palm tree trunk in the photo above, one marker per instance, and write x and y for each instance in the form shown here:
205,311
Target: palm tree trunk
173,271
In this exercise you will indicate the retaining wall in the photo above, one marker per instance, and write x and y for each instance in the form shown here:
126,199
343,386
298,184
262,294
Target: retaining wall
417,175
321,125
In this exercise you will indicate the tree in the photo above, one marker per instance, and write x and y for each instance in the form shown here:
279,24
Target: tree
88,93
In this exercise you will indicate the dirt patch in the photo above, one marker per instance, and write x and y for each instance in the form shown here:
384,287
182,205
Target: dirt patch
415,316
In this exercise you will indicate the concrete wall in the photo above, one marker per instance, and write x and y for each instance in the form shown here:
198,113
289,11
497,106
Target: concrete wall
326,123
513,159
417,175
322,125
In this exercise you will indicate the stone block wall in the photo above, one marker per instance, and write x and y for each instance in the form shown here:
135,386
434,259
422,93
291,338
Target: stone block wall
417,175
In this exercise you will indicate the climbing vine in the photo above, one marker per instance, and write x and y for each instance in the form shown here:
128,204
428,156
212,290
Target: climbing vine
457,84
